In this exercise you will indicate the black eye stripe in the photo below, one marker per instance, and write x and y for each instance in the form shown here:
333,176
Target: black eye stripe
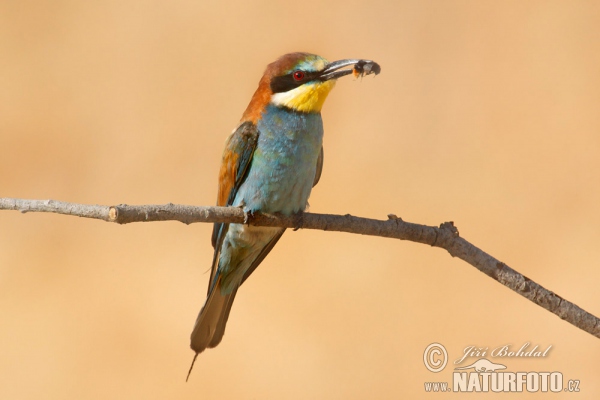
287,82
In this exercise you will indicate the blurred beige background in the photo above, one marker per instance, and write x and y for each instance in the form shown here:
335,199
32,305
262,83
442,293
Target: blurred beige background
486,113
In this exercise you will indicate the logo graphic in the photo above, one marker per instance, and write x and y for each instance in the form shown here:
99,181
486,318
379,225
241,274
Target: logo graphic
433,363
485,376
484,365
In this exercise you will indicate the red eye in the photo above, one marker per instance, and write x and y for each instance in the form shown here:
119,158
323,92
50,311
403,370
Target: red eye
298,75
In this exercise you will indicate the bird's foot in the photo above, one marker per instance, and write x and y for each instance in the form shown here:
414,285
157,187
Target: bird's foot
298,220
248,217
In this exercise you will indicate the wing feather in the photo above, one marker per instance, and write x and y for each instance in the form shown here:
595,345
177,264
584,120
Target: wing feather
319,167
237,158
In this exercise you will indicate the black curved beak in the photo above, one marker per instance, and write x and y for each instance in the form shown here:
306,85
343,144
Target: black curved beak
335,69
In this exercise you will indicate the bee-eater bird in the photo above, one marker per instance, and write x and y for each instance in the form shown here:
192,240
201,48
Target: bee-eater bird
270,164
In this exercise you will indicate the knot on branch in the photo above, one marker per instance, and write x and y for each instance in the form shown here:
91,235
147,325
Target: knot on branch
394,217
113,214
450,227
448,231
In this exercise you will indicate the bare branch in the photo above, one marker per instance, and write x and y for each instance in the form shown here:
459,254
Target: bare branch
445,236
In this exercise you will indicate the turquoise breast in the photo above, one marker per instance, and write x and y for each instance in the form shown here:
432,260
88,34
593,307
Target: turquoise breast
284,163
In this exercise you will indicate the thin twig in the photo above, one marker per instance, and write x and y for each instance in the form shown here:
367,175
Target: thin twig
445,236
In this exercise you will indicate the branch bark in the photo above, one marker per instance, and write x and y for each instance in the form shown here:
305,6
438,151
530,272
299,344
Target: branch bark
445,236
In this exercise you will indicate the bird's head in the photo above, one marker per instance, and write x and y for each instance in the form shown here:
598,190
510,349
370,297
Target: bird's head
301,82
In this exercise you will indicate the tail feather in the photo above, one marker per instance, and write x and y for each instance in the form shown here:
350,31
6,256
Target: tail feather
210,324
220,330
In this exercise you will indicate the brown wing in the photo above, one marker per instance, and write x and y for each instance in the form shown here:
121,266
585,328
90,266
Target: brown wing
237,158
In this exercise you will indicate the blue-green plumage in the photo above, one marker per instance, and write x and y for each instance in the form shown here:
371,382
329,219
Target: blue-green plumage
270,164
279,180
284,164
278,160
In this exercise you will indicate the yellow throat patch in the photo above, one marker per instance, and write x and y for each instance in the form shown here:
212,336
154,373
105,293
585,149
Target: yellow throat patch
306,98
